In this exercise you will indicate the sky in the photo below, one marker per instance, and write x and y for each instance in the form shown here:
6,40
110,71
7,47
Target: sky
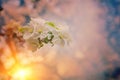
94,52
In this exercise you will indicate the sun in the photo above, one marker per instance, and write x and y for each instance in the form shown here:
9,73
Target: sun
21,73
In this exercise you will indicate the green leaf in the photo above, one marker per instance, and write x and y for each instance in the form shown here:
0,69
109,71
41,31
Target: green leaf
40,43
51,24
51,37
49,32
46,40
23,29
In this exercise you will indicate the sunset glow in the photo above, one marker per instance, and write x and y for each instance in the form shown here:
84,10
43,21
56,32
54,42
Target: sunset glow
21,73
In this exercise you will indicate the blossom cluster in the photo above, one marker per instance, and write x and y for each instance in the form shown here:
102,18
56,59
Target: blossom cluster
39,32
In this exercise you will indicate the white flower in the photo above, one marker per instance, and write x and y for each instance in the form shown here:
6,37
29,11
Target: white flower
39,32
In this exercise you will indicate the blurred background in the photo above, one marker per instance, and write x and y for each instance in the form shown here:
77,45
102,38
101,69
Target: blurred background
93,54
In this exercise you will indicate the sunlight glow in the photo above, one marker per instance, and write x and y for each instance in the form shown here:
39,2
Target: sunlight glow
21,74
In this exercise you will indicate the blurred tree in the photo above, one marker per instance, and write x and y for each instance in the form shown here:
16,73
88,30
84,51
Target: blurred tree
1,8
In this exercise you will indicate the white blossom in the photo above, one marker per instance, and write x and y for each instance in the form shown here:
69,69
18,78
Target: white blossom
39,32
